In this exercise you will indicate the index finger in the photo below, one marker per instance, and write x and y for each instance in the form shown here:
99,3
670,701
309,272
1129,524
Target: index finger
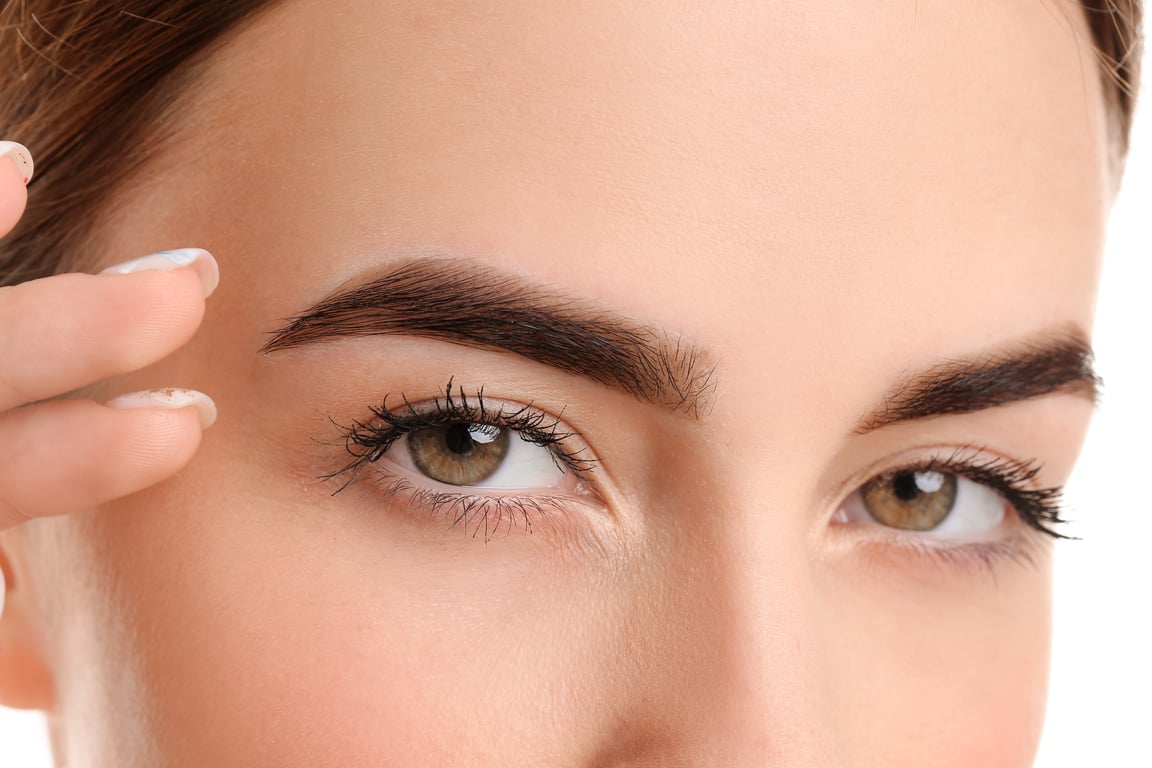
60,333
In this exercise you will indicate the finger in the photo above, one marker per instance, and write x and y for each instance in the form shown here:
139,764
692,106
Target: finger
15,173
69,455
60,333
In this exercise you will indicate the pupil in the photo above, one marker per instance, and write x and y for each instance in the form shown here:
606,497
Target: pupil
459,439
904,486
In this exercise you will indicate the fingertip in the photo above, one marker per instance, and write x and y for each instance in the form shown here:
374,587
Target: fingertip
170,399
63,456
20,158
199,260
159,443
162,433
13,194
149,315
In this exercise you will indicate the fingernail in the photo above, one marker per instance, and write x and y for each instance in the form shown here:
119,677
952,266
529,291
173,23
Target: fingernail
198,258
20,155
169,399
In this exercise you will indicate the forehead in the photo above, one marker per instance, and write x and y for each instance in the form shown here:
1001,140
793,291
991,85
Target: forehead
906,171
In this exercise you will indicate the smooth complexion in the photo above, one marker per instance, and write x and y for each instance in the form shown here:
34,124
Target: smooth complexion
823,200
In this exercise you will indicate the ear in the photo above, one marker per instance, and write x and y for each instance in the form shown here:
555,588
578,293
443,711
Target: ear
25,676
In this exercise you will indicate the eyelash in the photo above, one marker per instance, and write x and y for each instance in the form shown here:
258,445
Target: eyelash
368,441
1038,508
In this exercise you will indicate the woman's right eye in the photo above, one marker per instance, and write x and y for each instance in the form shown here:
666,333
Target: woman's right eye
479,455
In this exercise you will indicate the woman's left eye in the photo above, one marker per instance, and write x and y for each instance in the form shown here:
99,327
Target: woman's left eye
477,455
929,501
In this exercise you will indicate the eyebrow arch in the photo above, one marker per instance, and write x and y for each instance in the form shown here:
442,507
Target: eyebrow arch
1051,363
465,302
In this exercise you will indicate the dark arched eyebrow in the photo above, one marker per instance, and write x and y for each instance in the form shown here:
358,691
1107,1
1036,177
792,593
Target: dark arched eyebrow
1053,363
466,302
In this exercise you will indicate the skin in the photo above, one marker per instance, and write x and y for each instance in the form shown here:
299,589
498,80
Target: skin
822,197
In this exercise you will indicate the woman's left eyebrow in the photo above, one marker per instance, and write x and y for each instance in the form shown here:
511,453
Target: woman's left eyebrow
1052,363
463,301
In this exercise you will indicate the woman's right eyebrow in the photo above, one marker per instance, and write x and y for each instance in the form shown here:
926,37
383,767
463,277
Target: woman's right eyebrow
463,301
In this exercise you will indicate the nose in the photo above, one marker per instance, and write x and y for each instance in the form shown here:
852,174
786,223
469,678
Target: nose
727,659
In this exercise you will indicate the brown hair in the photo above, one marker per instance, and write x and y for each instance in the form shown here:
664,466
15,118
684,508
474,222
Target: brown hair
78,78
1116,27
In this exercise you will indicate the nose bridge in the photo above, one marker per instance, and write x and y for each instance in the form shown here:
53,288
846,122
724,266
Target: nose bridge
741,644
771,695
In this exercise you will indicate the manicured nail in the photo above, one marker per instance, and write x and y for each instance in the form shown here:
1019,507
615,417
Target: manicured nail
20,155
198,258
169,399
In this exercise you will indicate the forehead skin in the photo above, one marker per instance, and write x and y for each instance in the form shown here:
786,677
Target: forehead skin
822,195
835,165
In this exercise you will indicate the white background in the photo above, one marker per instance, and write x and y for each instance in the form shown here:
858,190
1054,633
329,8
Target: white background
1100,709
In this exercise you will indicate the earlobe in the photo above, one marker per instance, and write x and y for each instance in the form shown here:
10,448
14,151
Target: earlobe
25,677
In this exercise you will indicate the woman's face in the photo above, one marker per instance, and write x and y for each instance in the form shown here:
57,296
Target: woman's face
722,267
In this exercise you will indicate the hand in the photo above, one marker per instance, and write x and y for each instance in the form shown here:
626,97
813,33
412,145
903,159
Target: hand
61,333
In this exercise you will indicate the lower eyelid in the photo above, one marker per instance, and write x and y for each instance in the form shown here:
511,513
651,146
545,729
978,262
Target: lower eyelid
1019,546
484,516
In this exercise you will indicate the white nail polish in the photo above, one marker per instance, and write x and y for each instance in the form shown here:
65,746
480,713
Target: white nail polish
169,399
21,156
203,262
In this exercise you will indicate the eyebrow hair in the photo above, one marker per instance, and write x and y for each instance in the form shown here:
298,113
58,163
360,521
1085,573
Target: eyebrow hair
1052,363
465,302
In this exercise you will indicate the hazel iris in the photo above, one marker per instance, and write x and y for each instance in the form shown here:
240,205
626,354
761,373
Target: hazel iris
459,453
910,501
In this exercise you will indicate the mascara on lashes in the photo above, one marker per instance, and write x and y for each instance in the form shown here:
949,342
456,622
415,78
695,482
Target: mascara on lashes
368,441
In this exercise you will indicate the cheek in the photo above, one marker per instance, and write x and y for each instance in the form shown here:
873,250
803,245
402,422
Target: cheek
934,664
292,643
299,628
308,630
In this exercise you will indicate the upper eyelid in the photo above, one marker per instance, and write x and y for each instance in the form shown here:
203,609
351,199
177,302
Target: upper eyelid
913,457
525,418
377,435
968,461
903,460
